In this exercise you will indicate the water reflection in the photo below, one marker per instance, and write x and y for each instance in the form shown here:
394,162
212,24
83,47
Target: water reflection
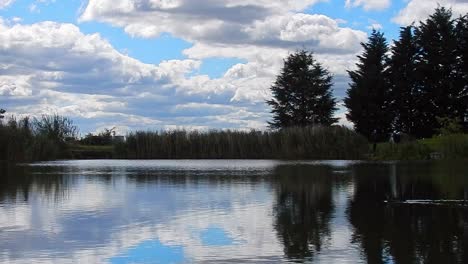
18,182
410,233
303,209
233,211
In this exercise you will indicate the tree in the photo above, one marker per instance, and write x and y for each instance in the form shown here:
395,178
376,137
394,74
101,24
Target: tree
367,98
404,85
302,94
437,68
2,112
55,127
462,66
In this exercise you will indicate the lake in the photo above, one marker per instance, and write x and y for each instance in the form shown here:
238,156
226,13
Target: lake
234,211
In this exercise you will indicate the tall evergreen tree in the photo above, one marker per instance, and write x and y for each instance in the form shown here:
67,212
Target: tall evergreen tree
404,88
437,70
302,93
462,66
367,98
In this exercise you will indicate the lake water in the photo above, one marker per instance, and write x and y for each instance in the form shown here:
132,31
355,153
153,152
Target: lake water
234,212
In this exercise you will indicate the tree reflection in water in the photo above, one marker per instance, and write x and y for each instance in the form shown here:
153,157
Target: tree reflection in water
17,182
304,207
404,232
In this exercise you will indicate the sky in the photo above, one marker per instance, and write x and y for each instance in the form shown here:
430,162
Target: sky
186,64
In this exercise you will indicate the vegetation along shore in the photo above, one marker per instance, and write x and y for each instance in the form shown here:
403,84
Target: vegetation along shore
408,100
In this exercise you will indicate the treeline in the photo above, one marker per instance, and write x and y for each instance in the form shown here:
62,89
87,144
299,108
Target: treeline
29,139
55,137
414,86
318,142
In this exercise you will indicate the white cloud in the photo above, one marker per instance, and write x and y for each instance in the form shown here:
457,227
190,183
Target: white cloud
235,22
418,10
263,43
54,68
61,54
33,8
16,19
261,32
369,4
6,3
319,32
57,69
15,85
376,26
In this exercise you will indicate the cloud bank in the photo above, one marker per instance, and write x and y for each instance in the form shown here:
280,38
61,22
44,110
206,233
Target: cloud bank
50,67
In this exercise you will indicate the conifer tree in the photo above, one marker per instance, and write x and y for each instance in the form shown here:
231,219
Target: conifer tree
462,66
302,93
404,88
367,98
437,70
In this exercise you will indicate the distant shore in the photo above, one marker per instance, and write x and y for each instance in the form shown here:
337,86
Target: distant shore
54,138
441,147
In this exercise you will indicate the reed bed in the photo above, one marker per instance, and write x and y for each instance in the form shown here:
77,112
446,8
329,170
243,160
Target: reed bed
318,142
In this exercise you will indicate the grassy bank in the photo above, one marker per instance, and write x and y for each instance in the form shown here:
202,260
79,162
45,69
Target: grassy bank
453,146
78,151
54,137
38,139
292,143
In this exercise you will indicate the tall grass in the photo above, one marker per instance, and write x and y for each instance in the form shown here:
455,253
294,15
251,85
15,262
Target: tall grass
450,146
38,139
292,143
453,146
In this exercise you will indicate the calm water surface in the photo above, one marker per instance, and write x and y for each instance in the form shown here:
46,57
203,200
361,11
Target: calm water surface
233,212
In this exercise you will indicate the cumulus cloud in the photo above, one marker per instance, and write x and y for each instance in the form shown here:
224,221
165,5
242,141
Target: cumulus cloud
233,22
261,32
369,4
418,10
319,32
59,55
53,67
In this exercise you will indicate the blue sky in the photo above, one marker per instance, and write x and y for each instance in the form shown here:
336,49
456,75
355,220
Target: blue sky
156,64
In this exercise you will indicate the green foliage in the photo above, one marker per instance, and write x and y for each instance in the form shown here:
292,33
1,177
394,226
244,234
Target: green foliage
16,139
412,150
425,77
368,96
453,146
449,126
42,139
402,76
101,139
441,91
291,143
80,151
55,127
302,93
462,66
